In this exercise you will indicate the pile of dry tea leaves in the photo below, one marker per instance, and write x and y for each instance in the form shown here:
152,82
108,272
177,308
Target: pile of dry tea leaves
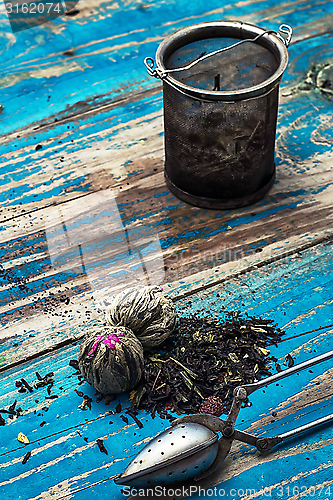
204,358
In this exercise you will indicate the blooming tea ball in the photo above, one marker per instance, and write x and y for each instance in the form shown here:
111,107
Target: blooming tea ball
111,359
147,311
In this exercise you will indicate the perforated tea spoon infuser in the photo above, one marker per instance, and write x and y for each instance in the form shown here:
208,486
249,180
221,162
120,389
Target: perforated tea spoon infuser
191,448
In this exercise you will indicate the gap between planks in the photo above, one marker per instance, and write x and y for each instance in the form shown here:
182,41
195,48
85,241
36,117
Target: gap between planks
205,281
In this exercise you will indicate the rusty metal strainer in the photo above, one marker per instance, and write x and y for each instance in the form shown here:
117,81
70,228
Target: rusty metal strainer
220,93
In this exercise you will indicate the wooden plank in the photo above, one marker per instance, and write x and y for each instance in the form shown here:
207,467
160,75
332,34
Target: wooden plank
50,66
78,159
38,267
34,178
67,465
179,241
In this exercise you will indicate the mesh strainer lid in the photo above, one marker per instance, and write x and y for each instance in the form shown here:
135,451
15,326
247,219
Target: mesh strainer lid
246,70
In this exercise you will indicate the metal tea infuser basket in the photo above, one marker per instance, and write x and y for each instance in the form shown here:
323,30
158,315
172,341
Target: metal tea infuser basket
220,94
192,449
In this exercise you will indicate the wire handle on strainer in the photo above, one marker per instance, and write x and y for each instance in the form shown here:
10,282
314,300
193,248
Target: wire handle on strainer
149,62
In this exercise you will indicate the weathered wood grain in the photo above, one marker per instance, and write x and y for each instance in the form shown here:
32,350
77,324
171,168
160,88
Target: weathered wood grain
88,213
64,65
145,232
34,178
296,293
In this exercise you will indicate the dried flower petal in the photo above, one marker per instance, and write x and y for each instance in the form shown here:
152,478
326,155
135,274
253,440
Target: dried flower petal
23,438
110,341
212,405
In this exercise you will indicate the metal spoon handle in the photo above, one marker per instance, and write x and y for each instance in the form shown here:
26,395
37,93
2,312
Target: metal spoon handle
306,427
265,444
250,388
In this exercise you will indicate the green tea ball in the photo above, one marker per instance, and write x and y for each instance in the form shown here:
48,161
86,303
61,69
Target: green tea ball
147,311
111,359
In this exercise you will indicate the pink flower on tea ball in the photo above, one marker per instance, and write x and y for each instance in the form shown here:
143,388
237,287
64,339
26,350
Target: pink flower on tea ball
109,340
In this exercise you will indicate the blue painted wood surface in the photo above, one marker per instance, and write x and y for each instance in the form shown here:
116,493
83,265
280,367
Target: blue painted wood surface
112,62
297,294
77,87
295,213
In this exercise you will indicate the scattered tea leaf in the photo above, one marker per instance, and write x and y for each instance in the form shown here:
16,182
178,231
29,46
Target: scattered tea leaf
233,357
83,405
190,372
88,401
12,406
135,418
26,457
9,412
26,385
132,395
101,446
290,360
138,395
74,364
